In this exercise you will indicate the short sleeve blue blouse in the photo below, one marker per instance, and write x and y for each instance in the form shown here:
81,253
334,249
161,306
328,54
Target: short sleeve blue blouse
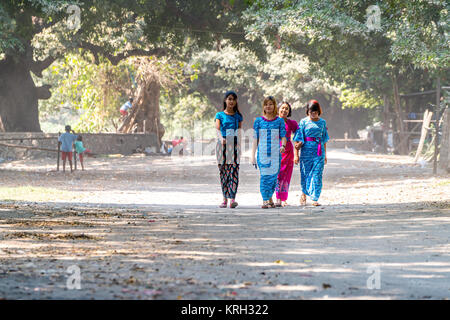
228,123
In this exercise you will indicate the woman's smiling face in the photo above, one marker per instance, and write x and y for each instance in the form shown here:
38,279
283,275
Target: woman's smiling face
284,111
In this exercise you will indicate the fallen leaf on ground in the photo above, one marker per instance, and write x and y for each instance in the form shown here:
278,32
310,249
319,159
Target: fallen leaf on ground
151,292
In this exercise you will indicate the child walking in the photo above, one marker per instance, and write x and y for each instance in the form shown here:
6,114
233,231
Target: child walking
81,150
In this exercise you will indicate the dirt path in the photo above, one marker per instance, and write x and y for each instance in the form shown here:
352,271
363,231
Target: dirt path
149,228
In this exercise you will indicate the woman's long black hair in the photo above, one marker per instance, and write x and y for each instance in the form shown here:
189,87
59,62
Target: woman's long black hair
236,107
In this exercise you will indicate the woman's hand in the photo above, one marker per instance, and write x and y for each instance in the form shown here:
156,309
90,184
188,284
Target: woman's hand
224,141
282,149
326,160
298,145
253,160
296,159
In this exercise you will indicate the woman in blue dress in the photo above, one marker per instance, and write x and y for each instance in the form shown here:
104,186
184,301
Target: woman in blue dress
228,122
268,131
312,137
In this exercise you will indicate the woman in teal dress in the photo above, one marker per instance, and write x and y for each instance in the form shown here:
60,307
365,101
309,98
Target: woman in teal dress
311,138
268,131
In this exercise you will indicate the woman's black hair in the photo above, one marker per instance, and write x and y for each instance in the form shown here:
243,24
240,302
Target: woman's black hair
289,105
79,138
236,107
313,105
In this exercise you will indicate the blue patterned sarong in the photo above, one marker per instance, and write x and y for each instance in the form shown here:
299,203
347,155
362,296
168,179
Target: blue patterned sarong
269,134
312,164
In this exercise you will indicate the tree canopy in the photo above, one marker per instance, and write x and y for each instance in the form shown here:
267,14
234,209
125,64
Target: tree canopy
348,54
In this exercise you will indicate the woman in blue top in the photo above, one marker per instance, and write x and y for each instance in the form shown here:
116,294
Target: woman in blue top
268,131
228,122
312,138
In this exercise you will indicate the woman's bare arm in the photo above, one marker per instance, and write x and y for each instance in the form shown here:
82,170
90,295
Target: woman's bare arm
219,133
254,147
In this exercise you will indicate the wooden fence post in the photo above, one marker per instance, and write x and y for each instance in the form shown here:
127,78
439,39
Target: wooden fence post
436,142
385,123
445,142
157,135
59,152
74,157
425,126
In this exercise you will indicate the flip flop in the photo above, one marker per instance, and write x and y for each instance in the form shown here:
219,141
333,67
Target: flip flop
223,205
303,201
271,204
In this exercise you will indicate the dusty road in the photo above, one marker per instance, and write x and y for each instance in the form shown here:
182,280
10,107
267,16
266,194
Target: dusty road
149,228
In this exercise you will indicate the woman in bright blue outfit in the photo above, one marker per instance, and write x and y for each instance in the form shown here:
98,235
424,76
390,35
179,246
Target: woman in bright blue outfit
312,137
228,125
268,131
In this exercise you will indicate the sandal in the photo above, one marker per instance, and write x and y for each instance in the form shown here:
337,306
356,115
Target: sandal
316,204
265,205
271,204
224,204
233,204
284,204
303,200
278,204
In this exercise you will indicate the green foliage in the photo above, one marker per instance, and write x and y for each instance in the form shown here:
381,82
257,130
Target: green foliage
192,113
7,26
354,98
294,50
285,75
114,30
93,93
21,20
334,35
420,34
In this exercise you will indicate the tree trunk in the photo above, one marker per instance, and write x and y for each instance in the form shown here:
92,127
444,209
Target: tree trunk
145,110
19,110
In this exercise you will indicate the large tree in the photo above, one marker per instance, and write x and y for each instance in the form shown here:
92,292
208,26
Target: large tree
33,33
401,53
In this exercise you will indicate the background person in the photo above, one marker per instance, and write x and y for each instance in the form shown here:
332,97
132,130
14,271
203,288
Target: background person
81,150
66,142
126,106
